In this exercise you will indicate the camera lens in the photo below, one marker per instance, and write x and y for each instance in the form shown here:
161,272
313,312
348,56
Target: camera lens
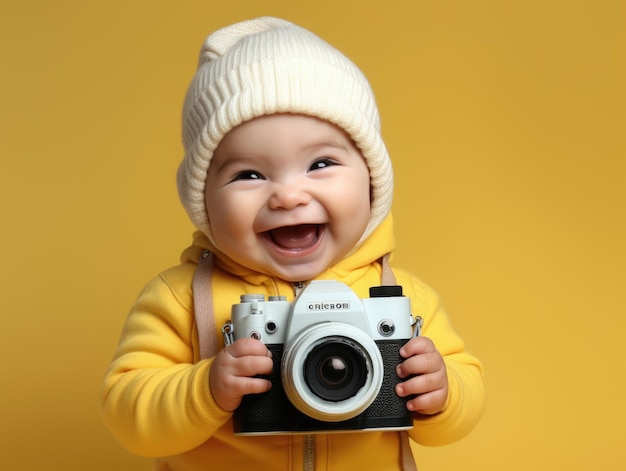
335,370
331,371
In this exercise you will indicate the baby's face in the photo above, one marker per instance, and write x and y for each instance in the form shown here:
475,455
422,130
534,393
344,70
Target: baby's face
287,195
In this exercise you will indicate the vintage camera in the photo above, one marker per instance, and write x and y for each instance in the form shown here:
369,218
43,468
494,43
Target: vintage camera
335,358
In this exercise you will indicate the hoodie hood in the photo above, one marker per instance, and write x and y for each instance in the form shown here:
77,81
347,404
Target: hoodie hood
349,268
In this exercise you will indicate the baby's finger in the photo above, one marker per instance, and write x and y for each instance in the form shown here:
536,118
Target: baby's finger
419,385
428,403
252,365
420,364
417,346
246,386
248,346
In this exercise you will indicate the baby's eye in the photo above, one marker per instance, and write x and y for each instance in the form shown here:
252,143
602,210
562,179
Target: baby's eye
322,163
247,175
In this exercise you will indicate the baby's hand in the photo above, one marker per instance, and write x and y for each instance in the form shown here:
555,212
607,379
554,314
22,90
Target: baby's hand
233,370
431,381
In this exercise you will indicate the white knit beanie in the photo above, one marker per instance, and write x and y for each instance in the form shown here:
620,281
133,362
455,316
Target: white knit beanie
265,66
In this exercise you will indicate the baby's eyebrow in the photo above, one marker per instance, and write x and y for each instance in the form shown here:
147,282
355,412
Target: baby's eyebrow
333,144
231,160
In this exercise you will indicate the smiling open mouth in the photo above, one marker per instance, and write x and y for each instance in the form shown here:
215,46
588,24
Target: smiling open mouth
296,238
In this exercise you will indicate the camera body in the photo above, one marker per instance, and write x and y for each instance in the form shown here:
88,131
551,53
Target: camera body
335,358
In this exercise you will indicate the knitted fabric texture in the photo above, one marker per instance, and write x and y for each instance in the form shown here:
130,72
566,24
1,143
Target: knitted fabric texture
265,66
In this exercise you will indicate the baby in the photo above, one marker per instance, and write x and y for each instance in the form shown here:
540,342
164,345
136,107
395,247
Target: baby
288,180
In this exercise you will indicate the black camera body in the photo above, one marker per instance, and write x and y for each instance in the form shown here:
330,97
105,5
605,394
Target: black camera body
335,358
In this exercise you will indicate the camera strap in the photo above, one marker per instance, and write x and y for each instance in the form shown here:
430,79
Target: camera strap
387,277
208,339
203,306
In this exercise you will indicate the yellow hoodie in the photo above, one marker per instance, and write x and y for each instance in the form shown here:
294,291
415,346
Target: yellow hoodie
156,398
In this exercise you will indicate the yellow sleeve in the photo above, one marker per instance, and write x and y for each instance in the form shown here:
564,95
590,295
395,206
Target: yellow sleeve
466,397
155,397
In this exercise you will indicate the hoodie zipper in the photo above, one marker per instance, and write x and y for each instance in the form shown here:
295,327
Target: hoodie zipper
308,445
309,453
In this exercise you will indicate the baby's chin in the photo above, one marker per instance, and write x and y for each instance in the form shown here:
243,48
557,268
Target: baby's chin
294,274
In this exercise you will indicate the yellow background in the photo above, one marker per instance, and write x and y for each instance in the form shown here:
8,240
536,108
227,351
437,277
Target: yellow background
506,123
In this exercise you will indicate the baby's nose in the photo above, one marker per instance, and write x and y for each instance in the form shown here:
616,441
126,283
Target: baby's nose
288,196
